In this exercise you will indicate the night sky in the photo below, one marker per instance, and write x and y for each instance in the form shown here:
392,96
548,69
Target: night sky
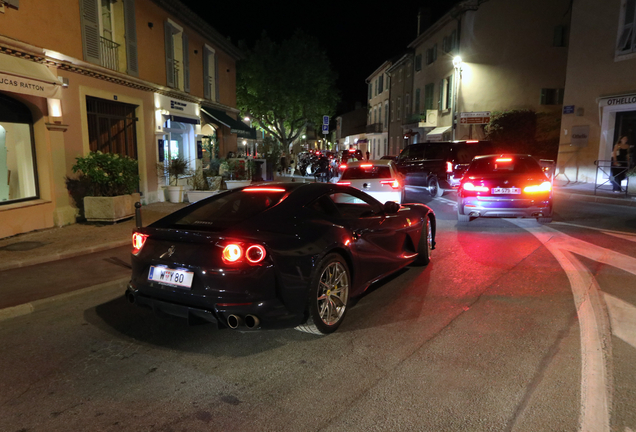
358,37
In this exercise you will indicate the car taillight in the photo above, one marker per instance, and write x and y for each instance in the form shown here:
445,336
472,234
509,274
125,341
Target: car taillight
263,189
394,183
473,188
503,160
543,187
235,253
138,241
366,165
344,183
255,254
449,167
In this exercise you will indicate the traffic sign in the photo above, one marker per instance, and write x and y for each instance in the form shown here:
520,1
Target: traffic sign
325,129
481,117
325,121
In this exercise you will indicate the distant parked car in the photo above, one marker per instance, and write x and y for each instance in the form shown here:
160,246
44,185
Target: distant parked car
505,185
386,157
275,255
439,165
379,178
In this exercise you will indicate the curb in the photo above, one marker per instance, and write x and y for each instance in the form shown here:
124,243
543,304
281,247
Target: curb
628,202
9,265
27,308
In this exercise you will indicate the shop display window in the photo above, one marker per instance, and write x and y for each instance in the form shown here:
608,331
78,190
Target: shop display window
18,174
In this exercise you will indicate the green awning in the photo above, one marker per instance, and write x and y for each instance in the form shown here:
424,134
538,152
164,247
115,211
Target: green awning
236,127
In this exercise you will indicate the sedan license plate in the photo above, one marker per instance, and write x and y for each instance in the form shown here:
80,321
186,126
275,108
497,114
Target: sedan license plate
168,276
499,190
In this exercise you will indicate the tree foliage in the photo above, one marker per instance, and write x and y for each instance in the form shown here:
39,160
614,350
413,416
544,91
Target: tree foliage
525,131
285,86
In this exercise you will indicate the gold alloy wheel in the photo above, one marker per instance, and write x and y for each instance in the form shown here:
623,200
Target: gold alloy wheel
333,292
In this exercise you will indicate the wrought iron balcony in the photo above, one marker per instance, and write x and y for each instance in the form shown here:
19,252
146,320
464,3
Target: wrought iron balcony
109,53
374,128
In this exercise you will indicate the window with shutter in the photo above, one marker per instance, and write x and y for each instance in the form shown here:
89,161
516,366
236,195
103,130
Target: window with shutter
170,69
418,62
176,43
626,33
209,76
89,10
381,85
417,101
132,65
429,90
186,63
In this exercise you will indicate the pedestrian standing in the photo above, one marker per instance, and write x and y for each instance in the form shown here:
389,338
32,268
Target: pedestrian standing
283,163
620,158
368,154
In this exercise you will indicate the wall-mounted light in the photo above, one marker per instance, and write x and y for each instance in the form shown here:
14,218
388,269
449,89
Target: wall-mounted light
55,107
150,25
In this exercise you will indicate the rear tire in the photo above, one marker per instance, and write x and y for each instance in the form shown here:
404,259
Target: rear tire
425,247
433,187
328,296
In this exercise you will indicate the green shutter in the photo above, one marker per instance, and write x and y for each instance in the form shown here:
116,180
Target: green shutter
132,65
206,73
216,78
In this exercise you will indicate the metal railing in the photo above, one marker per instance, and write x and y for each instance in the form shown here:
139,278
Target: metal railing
109,53
374,128
605,171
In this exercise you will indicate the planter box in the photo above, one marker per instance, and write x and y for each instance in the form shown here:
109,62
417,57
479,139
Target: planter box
175,194
110,209
197,195
232,184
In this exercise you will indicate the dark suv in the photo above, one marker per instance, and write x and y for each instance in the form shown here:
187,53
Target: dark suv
439,165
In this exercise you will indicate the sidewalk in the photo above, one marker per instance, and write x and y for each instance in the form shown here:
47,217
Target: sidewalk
78,239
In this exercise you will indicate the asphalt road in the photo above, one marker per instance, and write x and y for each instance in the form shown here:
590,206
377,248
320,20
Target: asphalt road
494,335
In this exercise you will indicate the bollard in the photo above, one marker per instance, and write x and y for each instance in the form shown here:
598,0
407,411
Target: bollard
138,214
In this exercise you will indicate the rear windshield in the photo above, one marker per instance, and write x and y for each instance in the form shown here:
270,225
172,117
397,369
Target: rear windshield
373,172
512,164
228,209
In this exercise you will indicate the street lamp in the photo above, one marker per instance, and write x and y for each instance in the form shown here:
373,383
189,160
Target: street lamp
457,65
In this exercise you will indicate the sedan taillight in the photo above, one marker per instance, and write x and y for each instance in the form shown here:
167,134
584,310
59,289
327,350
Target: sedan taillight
394,183
138,241
449,167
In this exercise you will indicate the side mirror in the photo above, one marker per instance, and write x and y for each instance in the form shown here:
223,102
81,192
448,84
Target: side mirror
391,207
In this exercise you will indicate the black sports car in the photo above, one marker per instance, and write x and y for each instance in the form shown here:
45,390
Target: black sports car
275,255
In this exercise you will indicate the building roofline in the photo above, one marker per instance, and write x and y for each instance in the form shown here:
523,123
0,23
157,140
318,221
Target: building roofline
183,13
384,65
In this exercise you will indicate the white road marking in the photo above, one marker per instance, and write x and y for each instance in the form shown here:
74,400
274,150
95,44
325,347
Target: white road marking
622,318
594,321
620,234
451,202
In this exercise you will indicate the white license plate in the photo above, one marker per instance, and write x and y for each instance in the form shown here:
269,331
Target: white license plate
168,276
506,190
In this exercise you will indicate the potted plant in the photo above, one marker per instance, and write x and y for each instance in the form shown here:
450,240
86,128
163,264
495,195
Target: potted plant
238,173
200,187
109,184
177,169
631,181
212,174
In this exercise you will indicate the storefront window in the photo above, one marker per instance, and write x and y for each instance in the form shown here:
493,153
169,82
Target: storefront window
18,178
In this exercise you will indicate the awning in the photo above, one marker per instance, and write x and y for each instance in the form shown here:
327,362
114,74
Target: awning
183,119
27,77
236,127
437,133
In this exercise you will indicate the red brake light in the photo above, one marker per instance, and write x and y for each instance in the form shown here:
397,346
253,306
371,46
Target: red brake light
138,241
232,253
343,166
255,254
344,183
263,189
543,187
449,167
503,160
366,165
471,187
472,142
394,183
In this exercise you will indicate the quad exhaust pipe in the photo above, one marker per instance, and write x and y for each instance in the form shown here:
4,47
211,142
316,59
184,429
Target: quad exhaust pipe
236,321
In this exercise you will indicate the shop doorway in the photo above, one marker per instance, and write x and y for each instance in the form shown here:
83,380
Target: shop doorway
112,127
626,126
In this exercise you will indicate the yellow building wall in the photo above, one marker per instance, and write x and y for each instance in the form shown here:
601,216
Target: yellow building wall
53,25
